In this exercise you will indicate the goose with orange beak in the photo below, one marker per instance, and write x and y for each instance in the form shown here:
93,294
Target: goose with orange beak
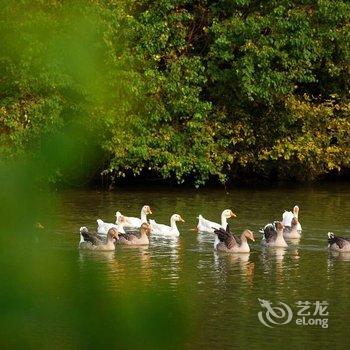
165,230
231,243
132,223
273,235
134,238
91,241
205,225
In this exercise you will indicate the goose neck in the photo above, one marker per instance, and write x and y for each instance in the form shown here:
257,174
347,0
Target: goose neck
173,224
143,216
223,221
243,238
110,239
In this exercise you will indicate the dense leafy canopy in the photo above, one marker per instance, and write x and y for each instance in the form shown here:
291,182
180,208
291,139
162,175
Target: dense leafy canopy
188,90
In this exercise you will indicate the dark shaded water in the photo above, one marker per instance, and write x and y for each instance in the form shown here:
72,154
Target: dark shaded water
180,293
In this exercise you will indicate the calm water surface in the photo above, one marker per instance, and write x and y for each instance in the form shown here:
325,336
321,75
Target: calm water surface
217,294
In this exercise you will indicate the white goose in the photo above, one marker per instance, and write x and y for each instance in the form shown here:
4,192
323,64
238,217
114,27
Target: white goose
288,216
103,227
132,222
205,225
165,230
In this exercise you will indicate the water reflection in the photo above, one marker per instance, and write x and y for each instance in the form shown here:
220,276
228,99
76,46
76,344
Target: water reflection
100,256
343,256
168,249
268,253
293,241
224,263
205,238
294,252
272,259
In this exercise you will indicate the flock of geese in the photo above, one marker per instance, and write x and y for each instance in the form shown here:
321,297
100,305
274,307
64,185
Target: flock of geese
136,231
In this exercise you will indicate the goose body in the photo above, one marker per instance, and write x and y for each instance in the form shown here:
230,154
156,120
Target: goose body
337,243
92,241
273,235
131,223
230,243
134,238
103,227
288,216
165,230
205,225
292,232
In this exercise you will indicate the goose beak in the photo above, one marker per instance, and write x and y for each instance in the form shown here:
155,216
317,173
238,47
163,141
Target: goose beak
233,215
150,211
181,219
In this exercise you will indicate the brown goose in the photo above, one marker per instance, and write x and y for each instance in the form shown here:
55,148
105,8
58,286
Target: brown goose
292,231
133,238
92,241
273,235
228,242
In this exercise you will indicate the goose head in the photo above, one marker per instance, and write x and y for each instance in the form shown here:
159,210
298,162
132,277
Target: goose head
296,211
295,222
146,209
279,226
112,233
177,217
145,229
118,215
228,213
120,218
83,230
249,235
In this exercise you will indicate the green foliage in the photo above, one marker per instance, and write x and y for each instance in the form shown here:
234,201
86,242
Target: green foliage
189,90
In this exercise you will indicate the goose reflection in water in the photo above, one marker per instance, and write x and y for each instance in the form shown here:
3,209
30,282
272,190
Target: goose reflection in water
88,255
293,241
203,239
343,256
270,255
145,263
294,252
239,262
168,247
108,262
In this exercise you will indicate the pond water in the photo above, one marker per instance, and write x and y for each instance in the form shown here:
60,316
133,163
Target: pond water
179,293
